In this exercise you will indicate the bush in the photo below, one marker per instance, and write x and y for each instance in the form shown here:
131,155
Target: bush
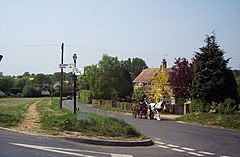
85,96
227,107
196,106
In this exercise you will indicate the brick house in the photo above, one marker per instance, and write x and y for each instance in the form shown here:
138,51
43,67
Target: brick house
142,80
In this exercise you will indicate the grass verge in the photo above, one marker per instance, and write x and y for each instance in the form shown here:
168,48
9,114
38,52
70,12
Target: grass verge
56,120
226,121
12,110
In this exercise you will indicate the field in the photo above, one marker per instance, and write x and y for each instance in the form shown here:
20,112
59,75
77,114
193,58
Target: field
12,110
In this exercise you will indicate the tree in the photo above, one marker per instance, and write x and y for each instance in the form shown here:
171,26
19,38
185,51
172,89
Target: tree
211,75
181,78
6,83
158,81
134,66
107,80
115,79
42,79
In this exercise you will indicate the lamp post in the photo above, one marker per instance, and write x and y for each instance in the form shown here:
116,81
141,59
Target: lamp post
74,83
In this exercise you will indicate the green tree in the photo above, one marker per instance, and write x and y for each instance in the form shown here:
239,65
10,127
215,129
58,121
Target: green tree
134,66
6,83
107,80
211,75
42,79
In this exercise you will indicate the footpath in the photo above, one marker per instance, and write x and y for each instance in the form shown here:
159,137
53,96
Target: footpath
31,125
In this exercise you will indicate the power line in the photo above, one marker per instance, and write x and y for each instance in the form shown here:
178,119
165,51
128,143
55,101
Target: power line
91,18
124,52
38,45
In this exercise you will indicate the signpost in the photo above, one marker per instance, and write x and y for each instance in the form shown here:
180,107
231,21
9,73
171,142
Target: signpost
75,72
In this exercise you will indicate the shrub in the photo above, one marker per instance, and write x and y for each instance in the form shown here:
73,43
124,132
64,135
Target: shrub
227,107
196,106
85,96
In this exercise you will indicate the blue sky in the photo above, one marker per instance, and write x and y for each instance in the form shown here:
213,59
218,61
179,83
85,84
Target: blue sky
31,32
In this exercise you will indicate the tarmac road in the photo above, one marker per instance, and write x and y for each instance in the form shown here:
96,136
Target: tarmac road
183,138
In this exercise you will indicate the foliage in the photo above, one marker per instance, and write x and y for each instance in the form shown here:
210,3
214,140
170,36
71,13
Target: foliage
237,78
181,78
157,82
212,78
85,96
107,80
196,106
42,79
134,66
226,121
31,90
139,93
227,107
6,83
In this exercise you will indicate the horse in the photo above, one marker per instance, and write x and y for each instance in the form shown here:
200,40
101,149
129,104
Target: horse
154,110
140,110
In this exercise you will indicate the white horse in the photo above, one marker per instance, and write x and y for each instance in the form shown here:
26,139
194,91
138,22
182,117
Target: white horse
154,110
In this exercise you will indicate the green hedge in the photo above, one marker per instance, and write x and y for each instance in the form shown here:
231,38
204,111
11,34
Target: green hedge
85,96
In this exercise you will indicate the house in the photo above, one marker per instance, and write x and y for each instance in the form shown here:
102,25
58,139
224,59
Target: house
142,80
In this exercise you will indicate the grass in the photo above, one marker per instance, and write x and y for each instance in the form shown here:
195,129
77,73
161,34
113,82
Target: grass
12,110
56,120
226,121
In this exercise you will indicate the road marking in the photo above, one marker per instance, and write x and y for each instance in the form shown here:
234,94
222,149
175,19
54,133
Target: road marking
196,154
171,145
178,150
189,149
68,151
207,153
161,146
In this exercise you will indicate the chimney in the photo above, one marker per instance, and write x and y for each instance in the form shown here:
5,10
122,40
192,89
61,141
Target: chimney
164,64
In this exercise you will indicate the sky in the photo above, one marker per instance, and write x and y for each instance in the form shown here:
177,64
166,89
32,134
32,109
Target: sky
31,32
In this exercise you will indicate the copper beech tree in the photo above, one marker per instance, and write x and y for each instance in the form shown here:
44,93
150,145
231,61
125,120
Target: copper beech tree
181,78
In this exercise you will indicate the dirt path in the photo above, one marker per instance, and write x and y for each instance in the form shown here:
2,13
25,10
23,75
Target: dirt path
31,123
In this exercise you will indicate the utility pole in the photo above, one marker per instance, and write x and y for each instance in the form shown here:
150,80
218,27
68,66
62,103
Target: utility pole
61,77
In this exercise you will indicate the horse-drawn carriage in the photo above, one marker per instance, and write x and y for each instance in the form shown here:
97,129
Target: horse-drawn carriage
149,110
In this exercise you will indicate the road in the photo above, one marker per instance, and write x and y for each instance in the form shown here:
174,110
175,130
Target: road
171,138
186,139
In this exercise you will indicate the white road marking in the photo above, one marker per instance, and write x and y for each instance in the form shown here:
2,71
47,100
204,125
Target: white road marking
159,142
207,153
66,151
225,156
189,149
196,154
161,146
178,150
171,145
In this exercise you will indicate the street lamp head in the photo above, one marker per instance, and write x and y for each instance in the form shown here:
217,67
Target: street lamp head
74,57
1,56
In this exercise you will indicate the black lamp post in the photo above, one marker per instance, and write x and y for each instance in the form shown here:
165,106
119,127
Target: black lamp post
74,83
